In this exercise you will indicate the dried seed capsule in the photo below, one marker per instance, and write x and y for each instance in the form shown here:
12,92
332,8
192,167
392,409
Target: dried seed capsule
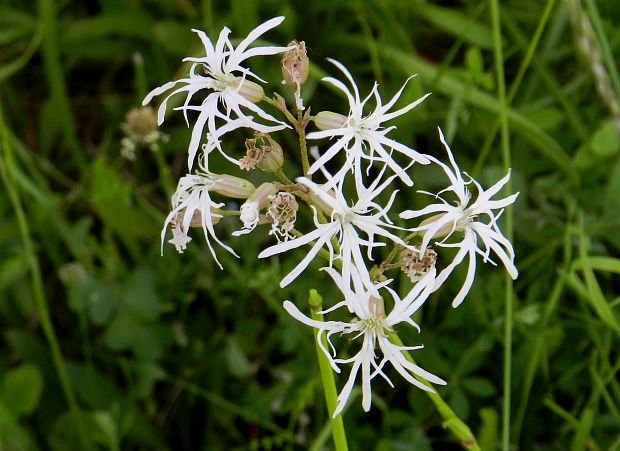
415,265
262,152
295,66
283,214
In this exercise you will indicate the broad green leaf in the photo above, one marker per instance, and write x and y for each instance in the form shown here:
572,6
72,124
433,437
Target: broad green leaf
175,37
238,364
141,295
605,141
479,386
92,387
21,389
13,436
456,23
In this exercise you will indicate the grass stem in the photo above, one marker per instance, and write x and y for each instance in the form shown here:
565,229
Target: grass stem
508,217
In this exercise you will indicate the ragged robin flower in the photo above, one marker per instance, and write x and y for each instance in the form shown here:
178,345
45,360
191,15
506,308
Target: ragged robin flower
372,327
466,219
227,85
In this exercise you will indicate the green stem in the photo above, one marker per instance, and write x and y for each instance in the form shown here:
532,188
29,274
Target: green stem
55,78
7,172
301,132
508,228
516,84
451,420
140,77
164,173
327,376
282,176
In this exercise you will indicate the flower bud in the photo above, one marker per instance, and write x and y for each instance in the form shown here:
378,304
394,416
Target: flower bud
140,123
328,120
319,202
250,210
231,186
196,221
444,230
251,91
262,194
262,152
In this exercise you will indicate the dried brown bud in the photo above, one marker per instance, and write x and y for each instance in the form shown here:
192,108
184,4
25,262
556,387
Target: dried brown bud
415,265
139,123
262,152
295,65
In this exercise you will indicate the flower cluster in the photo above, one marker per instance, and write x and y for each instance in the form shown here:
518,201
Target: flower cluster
350,208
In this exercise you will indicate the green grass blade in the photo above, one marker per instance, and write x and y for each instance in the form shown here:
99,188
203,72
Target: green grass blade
451,86
595,294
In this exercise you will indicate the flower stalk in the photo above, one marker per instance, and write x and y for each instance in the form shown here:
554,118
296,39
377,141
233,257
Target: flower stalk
451,420
327,376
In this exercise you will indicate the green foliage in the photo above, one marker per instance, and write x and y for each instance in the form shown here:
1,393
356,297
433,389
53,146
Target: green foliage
172,353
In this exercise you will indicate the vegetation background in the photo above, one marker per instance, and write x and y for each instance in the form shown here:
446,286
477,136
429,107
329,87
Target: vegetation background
171,353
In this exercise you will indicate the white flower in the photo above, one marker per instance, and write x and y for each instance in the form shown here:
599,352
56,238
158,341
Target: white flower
179,238
465,217
249,217
363,137
225,78
373,326
192,202
365,215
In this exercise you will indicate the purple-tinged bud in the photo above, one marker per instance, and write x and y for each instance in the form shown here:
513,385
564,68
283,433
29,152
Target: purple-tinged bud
328,120
231,186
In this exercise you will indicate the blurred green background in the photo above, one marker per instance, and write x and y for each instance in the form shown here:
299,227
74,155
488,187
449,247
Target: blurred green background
172,353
